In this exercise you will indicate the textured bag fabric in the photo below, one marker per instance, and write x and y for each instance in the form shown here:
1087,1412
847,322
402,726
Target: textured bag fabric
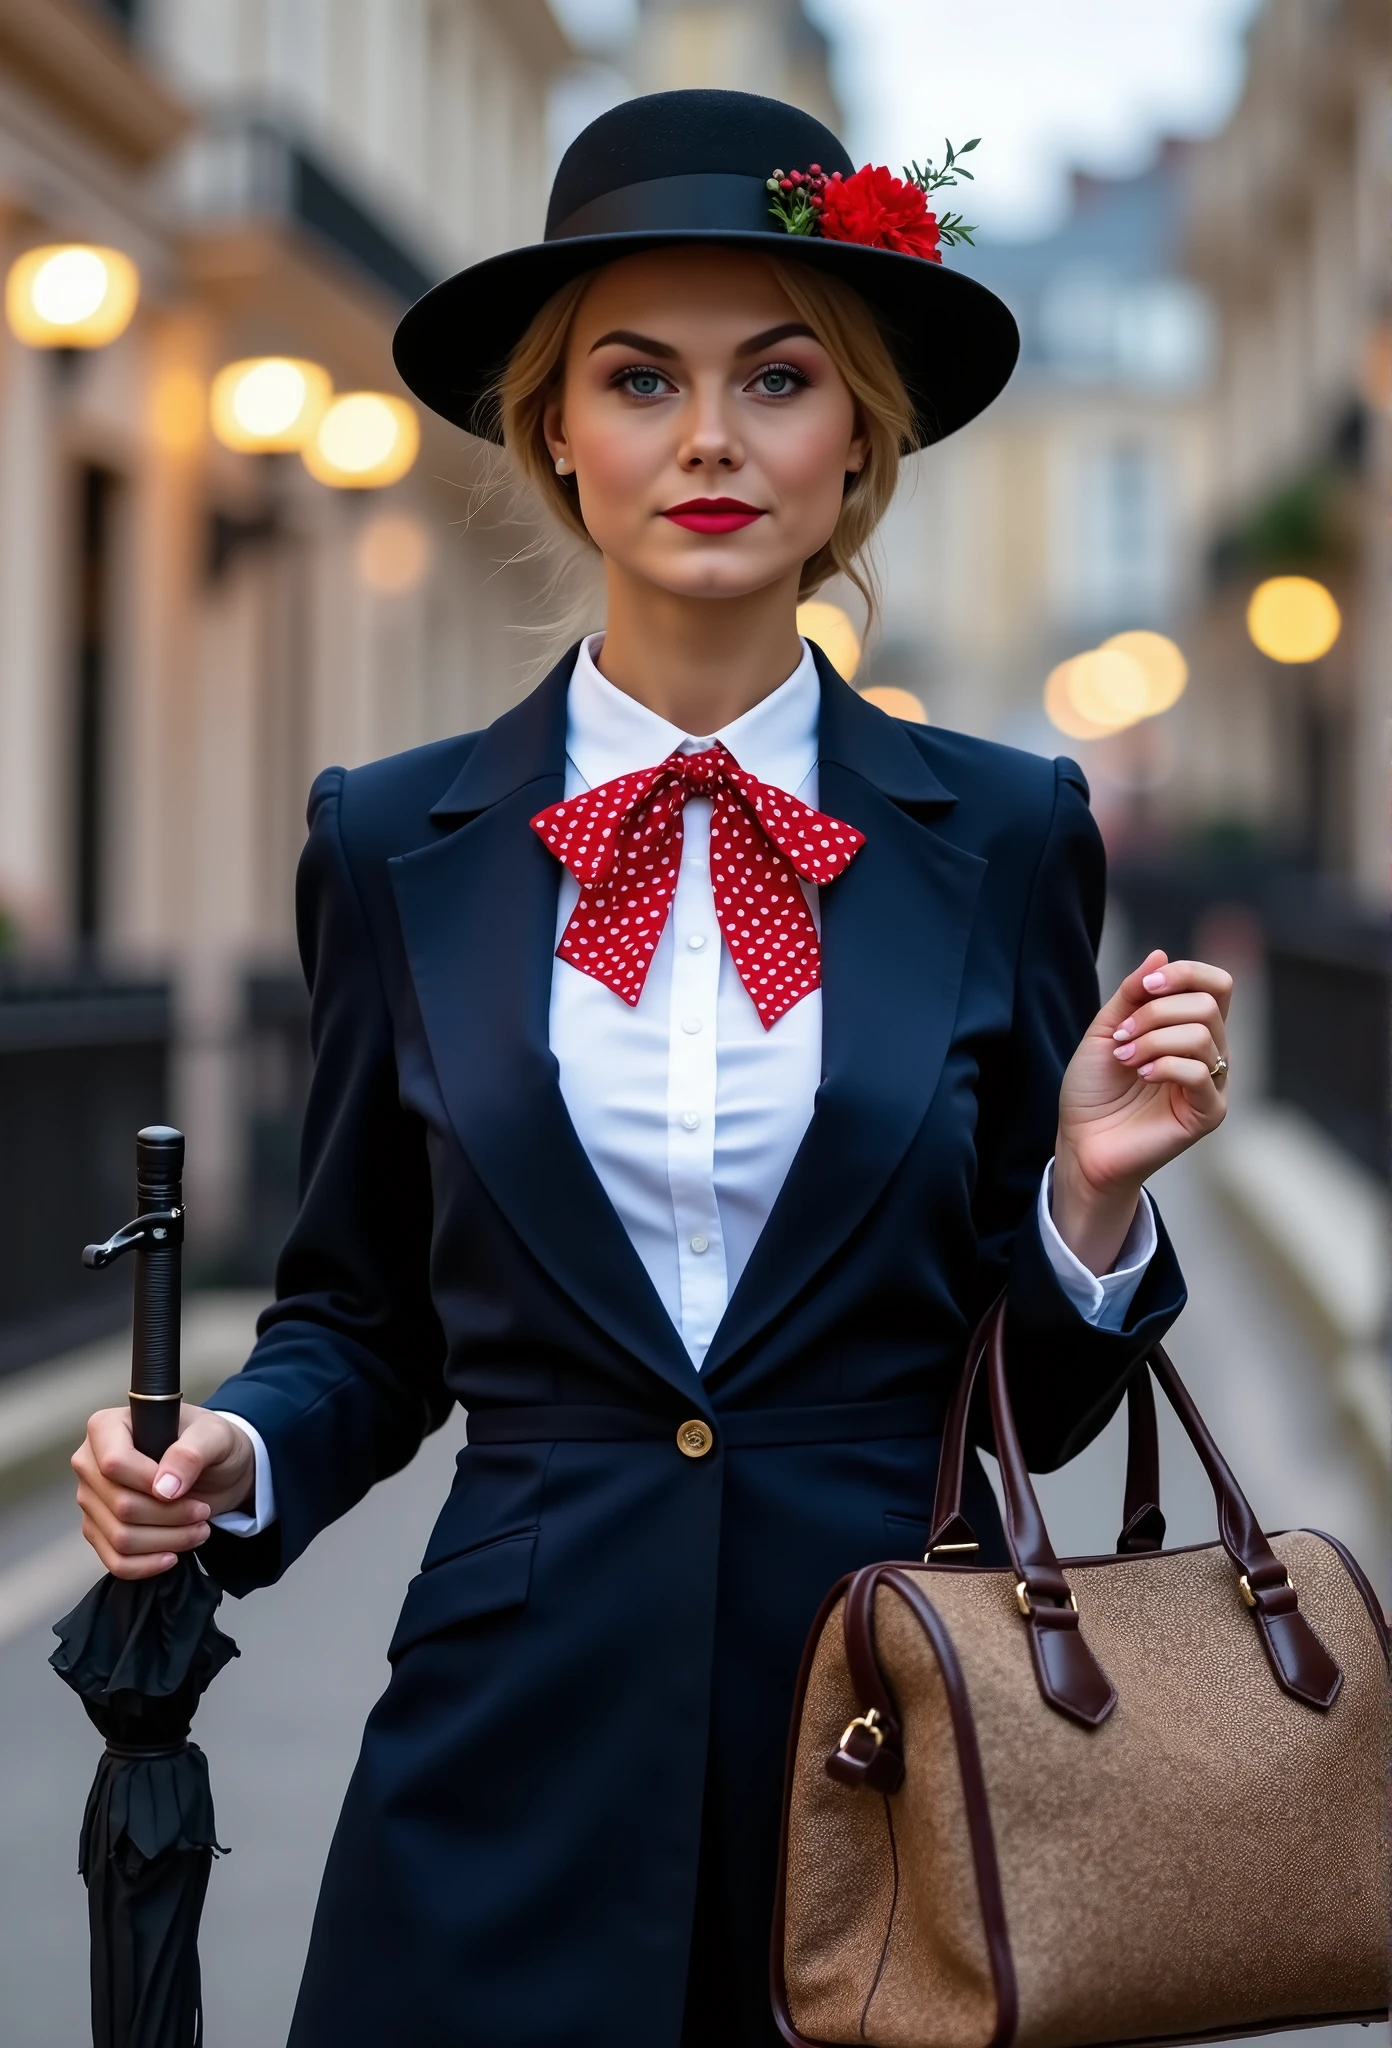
1207,1856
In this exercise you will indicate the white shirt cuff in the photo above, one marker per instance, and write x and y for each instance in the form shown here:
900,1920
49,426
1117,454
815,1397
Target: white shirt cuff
240,1522
1102,1301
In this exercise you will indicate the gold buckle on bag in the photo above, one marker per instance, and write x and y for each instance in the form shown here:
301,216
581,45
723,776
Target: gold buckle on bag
869,1721
1245,1587
1022,1598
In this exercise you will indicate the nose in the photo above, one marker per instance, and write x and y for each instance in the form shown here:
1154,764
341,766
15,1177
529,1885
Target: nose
709,441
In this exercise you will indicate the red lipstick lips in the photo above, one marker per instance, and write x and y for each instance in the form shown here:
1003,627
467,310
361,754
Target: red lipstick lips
713,515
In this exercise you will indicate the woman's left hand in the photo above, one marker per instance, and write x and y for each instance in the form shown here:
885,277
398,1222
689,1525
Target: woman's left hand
1140,1089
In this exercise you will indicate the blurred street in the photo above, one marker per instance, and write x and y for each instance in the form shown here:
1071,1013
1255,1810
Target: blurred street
281,1725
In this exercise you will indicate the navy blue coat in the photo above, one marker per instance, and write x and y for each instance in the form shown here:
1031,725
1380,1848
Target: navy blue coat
600,1647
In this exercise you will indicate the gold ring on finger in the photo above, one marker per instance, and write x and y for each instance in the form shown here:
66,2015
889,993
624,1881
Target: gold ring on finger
1218,1070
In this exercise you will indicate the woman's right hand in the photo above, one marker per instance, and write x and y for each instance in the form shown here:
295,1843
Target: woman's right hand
138,1515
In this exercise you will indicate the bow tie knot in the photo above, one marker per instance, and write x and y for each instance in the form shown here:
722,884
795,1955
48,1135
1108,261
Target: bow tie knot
702,773
623,840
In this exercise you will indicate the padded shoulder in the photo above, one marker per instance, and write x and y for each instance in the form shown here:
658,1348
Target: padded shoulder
384,806
973,767
1008,801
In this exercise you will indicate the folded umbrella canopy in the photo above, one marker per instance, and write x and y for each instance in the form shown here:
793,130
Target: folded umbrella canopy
140,1655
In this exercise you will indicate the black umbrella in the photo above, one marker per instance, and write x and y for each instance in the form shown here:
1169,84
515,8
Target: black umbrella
139,1655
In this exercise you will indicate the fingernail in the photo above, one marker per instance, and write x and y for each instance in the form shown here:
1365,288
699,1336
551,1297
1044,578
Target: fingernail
168,1561
1125,1030
201,1510
1147,1070
168,1486
1156,980
1124,1052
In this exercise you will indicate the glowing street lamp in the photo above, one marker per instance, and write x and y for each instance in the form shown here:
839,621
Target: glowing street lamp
1292,619
71,295
268,405
366,439
833,632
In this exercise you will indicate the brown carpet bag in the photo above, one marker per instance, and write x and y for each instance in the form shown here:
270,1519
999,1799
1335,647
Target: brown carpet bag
1139,1799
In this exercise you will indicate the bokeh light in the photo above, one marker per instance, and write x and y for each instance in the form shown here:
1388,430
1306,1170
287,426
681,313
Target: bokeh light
1293,618
1063,713
833,632
73,295
1107,687
1162,663
394,553
366,439
268,405
898,703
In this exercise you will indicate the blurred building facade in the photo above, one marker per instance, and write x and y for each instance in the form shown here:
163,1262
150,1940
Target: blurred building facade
1204,401
764,46
1284,804
187,634
1290,231
1070,511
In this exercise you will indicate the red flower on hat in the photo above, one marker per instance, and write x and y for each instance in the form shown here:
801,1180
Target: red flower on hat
873,207
879,211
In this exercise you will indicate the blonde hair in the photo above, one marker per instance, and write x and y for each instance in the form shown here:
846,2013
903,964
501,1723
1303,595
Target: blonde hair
847,330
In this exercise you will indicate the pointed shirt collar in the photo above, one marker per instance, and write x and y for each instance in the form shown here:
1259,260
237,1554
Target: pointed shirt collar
609,733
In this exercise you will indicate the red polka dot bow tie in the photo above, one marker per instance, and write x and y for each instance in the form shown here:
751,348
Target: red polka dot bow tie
622,842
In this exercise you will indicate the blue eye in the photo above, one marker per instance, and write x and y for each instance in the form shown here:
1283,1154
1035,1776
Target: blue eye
777,380
643,383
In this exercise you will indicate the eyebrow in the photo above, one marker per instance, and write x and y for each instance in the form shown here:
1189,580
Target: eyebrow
626,338
643,342
786,332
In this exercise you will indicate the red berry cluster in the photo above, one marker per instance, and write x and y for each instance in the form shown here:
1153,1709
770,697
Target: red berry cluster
799,197
813,182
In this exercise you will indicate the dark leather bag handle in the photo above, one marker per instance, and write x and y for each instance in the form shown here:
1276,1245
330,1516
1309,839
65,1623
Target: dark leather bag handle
1069,1680
1142,1524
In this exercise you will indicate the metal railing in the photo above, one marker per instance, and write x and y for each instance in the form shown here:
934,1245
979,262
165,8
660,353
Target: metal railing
1328,980
84,1061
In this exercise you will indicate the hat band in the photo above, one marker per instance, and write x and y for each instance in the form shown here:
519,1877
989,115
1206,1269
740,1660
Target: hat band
721,202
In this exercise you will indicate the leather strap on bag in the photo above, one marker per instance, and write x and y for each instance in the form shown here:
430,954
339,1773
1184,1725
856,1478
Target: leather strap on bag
1069,1677
1143,1522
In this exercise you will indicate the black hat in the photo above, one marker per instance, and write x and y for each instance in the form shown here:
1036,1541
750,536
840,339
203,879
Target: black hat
693,168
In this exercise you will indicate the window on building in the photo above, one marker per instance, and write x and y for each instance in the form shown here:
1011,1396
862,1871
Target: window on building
1153,332
1121,543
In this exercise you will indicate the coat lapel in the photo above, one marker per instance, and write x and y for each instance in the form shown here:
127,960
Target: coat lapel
478,918
895,929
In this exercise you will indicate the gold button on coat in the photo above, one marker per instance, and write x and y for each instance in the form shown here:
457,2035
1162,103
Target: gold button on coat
694,1439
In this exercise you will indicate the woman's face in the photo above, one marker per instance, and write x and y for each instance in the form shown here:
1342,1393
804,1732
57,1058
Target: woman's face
708,430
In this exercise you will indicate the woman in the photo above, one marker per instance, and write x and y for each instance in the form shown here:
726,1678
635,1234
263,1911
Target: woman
687,1179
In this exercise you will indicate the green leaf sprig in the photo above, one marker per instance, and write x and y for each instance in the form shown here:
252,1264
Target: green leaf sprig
929,178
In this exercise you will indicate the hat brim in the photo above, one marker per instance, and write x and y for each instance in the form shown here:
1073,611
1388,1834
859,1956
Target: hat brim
954,342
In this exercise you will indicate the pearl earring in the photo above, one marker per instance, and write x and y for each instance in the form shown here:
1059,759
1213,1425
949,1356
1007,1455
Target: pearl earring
562,466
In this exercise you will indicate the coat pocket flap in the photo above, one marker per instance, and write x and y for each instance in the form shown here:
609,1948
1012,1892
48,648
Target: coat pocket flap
483,1581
